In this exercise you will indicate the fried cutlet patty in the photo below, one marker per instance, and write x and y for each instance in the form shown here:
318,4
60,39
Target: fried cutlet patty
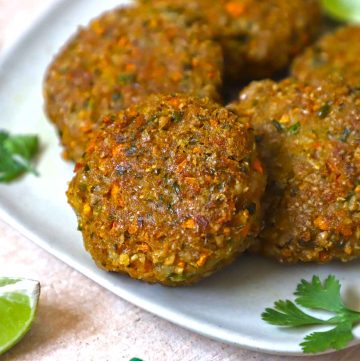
120,58
169,190
258,37
335,57
309,141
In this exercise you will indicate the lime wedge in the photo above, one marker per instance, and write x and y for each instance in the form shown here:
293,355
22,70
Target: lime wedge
344,10
18,303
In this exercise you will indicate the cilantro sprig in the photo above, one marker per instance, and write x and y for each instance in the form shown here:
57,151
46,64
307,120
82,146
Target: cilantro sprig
16,154
317,295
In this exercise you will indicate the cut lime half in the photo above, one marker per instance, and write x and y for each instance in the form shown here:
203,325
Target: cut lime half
344,10
18,303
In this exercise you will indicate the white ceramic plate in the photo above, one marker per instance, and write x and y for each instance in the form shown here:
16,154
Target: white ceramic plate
225,307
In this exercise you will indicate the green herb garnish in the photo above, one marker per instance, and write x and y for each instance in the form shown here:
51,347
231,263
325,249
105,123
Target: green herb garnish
126,78
344,10
177,117
345,135
281,129
317,296
324,111
16,154
176,188
294,129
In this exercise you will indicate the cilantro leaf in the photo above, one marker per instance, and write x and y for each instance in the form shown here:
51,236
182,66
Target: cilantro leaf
336,338
294,129
16,154
317,295
25,146
286,313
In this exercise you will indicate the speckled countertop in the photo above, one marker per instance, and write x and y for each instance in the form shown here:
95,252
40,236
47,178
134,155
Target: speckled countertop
79,320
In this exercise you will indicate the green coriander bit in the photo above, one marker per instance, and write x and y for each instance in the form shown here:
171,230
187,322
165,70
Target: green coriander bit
16,155
317,295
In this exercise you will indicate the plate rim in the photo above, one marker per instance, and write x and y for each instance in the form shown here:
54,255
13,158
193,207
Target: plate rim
207,330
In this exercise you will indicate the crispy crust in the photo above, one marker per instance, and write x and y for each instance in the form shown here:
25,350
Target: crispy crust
309,139
335,57
169,190
122,57
258,37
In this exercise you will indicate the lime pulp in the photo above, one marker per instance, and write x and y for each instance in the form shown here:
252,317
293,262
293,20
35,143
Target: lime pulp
18,303
344,10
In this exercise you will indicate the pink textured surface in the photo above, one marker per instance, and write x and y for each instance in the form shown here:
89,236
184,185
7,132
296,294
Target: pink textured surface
79,320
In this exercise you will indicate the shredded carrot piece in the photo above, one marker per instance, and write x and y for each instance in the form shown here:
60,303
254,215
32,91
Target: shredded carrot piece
132,113
123,41
214,123
113,226
189,224
115,191
202,260
212,74
286,253
197,150
77,167
195,62
191,181
174,101
91,146
316,145
181,166
346,232
143,248
118,150
107,119
97,27
130,68
181,264
258,166
132,229
235,9
176,76
322,223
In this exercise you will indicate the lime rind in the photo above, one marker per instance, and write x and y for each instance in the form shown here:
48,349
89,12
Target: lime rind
8,281
18,304
344,10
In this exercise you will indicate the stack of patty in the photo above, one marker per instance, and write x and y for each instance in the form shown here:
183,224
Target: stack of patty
129,53
169,185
